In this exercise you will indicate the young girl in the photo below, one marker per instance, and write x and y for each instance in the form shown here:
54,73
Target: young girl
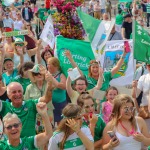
108,105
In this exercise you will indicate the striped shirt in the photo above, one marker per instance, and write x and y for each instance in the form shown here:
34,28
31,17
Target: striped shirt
148,7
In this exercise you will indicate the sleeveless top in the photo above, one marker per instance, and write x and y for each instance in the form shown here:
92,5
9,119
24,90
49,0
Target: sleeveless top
127,143
16,59
107,110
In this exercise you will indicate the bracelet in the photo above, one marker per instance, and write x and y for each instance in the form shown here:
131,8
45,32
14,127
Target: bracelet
123,57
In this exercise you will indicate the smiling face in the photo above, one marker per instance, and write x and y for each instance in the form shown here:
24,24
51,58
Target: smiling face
13,129
47,55
111,95
95,70
80,86
15,94
9,65
38,77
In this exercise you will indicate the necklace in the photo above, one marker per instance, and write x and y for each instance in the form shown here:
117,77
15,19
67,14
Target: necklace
129,132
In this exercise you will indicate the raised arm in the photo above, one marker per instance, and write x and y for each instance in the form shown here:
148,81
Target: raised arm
69,87
100,79
118,65
38,53
2,55
43,138
20,53
48,94
73,63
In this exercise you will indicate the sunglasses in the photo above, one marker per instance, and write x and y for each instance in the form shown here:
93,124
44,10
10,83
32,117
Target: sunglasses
15,125
127,109
36,74
27,25
19,44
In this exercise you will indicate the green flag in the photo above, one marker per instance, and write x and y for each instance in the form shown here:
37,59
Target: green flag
141,40
81,52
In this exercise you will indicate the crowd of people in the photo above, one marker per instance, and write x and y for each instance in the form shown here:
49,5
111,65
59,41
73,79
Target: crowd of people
41,108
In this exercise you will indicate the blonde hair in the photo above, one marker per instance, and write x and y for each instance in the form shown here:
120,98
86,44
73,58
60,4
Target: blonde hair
54,61
92,62
70,111
10,116
119,101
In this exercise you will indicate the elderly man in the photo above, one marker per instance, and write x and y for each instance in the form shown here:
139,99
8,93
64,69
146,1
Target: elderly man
26,110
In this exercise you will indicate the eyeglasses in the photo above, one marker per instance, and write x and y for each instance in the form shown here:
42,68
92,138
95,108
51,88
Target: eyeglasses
27,25
127,109
35,74
15,125
88,106
19,44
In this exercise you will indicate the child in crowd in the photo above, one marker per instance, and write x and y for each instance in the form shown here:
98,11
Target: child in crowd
108,105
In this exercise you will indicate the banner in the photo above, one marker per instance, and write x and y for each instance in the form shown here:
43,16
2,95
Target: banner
47,34
15,33
81,52
112,53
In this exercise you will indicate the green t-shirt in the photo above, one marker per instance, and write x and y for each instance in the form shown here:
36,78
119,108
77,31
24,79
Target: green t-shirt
27,113
26,143
119,19
24,82
92,82
51,12
41,12
100,125
45,18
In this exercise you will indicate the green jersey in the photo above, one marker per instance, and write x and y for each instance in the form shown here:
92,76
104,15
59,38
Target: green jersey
92,82
24,82
100,125
26,143
119,19
73,142
41,12
27,114
51,12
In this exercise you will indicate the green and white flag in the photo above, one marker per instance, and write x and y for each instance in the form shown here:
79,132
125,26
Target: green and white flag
15,33
81,52
141,40
97,31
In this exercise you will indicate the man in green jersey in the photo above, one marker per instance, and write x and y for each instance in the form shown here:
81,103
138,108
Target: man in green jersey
26,110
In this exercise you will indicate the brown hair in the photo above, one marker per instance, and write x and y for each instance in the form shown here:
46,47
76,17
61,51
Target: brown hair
70,111
81,78
54,61
82,97
92,62
119,101
111,88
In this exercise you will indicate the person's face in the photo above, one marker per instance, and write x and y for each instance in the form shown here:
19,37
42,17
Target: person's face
28,26
111,95
18,15
38,77
80,86
47,55
13,129
9,65
127,111
51,68
26,4
148,67
95,70
8,39
16,95
88,106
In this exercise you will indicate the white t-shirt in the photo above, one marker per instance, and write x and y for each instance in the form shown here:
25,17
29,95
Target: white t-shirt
73,142
102,4
18,25
144,85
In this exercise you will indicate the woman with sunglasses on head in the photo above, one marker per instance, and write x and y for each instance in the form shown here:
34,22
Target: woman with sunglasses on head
13,126
19,22
90,119
119,133
20,46
70,133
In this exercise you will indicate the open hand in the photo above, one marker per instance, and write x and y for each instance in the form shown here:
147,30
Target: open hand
75,126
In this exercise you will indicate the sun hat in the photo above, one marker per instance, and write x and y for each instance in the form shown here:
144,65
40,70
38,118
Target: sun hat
38,68
19,40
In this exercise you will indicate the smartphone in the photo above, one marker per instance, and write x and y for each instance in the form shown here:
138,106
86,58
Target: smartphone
127,47
112,135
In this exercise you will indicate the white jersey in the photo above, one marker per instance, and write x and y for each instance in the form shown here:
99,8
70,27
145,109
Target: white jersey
73,142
